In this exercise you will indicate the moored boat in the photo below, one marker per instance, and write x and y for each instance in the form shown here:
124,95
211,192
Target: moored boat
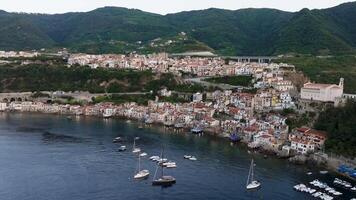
141,174
163,180
122,148
196,130
251,182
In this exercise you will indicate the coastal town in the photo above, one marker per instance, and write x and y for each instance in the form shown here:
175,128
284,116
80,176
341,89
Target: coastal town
255,118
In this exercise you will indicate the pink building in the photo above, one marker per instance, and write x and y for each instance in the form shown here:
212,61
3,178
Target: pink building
322,92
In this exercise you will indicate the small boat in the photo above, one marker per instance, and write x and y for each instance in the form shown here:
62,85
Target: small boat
164,181
251,182
171,166
117,140
136,150
193,158
69,118
148,121
122,148
309,173
234,137
154,158
179,125
323,172
187,156
168,163
143,154
128,121
196,130
141,174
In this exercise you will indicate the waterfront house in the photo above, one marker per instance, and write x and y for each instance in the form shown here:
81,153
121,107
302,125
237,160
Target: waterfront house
3,106
302,146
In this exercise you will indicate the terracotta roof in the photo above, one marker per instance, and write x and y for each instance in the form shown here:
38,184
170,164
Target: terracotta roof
317,85
303,129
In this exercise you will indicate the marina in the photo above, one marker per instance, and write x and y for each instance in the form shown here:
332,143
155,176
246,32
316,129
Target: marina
81,162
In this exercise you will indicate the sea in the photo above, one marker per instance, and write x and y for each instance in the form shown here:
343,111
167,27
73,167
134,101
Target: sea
54,157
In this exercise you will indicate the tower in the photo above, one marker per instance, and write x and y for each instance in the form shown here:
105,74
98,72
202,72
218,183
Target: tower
341,83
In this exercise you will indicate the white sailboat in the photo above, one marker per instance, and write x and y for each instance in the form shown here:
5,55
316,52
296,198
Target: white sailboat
134,148
251,182
141,174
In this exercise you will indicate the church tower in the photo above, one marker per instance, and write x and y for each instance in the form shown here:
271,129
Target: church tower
341,83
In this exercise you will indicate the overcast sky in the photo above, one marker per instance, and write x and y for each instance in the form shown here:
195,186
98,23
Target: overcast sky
158,6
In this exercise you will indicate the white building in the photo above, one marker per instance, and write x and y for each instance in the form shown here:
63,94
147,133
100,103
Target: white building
322,92
283,85
302,146
3,106
197,97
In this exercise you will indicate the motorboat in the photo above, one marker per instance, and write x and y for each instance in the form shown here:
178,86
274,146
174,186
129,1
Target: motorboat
196,130
136,150
154,158
122,148
234,137
186,156
193,158
251,182
143,154
117,140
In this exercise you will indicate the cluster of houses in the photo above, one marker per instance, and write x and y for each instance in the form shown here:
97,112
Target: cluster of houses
16,54
163,63
221,113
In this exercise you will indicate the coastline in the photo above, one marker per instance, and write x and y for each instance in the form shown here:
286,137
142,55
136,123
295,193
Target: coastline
309,161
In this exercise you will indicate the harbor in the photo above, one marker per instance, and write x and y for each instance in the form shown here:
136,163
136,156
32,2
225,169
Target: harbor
80,159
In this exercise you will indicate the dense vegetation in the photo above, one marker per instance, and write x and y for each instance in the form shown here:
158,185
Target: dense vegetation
340,124
328,69
240,32
39,77
232,80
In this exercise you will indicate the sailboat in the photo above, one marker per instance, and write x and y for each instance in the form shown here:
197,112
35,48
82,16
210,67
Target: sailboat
141,174
163,180
134,148
251,182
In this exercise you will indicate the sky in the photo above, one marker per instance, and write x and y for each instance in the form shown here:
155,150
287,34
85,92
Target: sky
159,6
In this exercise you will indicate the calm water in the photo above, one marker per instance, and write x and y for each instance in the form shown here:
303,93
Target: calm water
50,157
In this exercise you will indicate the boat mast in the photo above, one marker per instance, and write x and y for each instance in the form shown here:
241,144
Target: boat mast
134,144
252,178
248,177
162,153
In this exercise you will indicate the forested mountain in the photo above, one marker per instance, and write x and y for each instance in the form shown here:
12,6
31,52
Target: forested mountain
240,32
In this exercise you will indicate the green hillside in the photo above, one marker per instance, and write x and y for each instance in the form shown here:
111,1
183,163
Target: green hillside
240,32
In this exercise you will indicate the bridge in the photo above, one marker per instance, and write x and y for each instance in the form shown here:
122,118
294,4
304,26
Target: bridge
248,59
20,96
